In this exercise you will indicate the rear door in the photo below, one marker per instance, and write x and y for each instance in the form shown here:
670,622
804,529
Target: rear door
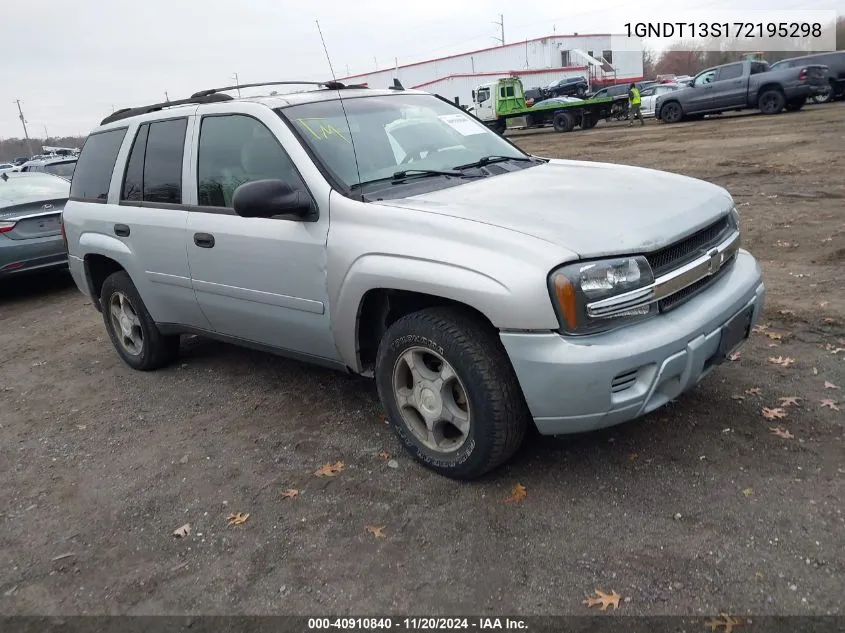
150,219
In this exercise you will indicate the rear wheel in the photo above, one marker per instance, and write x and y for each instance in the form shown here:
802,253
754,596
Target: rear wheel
563,122
771,101
131,328
671,112
825,96
450,392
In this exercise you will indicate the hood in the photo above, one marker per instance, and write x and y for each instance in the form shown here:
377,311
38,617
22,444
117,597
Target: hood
592,209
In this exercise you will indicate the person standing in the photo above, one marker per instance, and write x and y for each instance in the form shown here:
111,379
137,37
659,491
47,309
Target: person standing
634,102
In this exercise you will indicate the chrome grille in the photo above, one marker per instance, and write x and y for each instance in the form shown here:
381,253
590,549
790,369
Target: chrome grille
679,253
684,295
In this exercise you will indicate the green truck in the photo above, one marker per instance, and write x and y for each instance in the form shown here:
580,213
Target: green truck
501,104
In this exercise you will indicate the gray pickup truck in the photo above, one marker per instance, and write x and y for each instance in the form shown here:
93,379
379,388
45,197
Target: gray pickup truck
741,86
390,234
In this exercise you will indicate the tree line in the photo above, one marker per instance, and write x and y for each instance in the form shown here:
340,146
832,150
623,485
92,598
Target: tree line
687,58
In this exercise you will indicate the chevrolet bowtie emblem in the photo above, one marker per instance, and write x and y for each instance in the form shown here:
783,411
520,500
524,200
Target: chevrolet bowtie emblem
715,261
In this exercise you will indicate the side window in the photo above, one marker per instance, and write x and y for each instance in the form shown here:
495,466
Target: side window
509,91
235,149
734,71
648,92
93,172
705,78
608,56
133,179
163,161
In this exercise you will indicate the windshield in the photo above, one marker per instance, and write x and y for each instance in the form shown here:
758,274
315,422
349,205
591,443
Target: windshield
35,186
392,133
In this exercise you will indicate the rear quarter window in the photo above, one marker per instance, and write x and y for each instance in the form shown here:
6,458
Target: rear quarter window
93,172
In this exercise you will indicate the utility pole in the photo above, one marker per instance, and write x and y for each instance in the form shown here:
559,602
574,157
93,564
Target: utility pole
501,24
166,97
23,122
237,83
46,134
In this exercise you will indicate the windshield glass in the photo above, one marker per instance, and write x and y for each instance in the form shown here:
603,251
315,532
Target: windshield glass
392,133
65,170
34,186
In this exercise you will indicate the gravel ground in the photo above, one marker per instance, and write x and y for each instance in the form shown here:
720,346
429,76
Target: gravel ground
696,509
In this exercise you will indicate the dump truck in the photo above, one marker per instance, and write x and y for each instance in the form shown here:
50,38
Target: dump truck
501,104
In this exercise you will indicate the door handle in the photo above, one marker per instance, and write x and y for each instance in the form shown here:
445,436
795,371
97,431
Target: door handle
121,230
204,240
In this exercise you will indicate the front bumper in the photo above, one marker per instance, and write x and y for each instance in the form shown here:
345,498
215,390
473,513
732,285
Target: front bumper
575,384
18,257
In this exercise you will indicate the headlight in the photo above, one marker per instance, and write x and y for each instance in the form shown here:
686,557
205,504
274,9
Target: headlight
734,218
595,296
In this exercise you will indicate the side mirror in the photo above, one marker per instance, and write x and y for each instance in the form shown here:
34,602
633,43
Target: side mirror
473,95
270,198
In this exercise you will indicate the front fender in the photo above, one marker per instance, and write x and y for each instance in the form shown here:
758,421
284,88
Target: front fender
504,306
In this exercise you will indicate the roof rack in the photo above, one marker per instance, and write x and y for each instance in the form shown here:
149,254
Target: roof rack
331,85
126,113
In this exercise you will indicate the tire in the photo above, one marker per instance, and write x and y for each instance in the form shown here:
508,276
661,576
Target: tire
588,122
145,347
796,104
563,122
671,112
483,391
825,97
771,101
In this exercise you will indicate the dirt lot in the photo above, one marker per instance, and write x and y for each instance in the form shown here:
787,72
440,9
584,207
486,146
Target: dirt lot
696,509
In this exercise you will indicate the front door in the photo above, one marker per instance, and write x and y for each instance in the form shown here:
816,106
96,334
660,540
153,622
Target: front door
700,98
484,102
256,279
729,88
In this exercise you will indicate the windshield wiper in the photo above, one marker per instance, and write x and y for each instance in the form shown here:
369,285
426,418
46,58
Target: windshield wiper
399,176
487,160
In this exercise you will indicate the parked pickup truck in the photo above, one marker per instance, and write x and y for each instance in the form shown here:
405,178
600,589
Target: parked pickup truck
743,85
389,233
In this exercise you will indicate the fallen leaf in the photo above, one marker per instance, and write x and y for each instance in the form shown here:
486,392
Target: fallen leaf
376,531
786,312
836,350
81,427
384,455
754,391
828,320
760,328
774,414
182,532
738,397
735,356
747,492
829,385
633,456
726,621
518,493
781,432
830,404
290,493
604,599
773,345
329,470
238,518
823,304
775,336
781,360
789,401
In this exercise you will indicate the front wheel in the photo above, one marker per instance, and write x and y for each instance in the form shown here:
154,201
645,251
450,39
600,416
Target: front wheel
771,101
131,328
450,392
671,112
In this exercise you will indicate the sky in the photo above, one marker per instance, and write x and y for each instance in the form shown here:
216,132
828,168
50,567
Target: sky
71,61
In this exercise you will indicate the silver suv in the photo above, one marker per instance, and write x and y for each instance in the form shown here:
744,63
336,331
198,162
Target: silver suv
391,234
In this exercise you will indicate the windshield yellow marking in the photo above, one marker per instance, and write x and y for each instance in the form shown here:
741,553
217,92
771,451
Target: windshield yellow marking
323,131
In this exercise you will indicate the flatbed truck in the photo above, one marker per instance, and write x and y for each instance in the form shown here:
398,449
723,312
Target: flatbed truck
501,104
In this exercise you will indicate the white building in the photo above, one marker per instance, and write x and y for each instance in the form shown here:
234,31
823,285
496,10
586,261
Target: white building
538,62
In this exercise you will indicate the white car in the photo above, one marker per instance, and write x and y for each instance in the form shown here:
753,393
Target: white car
649,96
7,167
